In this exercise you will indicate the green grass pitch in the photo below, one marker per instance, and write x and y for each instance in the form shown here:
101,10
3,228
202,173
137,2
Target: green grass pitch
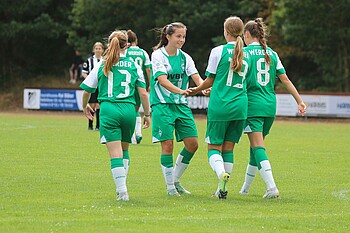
55,177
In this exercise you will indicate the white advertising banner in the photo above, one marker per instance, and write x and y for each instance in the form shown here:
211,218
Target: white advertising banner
52,99
318,105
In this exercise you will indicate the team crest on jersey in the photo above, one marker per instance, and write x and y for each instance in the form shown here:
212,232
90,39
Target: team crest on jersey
183,66
158,66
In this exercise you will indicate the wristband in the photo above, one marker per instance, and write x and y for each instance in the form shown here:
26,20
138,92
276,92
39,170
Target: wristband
147,115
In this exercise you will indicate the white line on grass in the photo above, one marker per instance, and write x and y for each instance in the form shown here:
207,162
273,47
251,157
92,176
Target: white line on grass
342,194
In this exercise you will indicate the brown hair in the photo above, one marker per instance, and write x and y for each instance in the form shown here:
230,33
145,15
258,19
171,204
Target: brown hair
257,29
167,30
234,27
132,37
98,44
116,41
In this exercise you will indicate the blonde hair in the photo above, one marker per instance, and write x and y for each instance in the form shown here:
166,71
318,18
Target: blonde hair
116,41
257,29
234,26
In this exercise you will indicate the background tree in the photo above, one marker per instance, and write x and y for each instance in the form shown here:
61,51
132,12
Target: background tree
39,37
319,33
32,38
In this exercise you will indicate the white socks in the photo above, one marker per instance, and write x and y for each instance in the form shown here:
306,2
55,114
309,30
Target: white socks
249,176
119,178
180,168
217,164
169,177
266,174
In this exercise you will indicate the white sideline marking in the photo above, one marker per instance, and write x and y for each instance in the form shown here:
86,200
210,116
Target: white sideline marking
342,194
8,127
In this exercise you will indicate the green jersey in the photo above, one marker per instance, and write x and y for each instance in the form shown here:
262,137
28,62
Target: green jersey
120,84
261,78
140,56
177,68
228,97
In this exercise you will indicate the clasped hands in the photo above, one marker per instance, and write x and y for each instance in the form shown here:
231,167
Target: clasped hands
193,91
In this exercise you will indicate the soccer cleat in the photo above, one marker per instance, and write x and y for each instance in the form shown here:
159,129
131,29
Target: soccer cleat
223,190
216,194
138,139
97,128
90,128
243,191
124,196
222,194
181,189
173,192
133,140
272,193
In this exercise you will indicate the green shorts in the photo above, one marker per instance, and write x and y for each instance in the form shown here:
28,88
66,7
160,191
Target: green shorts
259,124
220,131
167,117
117,121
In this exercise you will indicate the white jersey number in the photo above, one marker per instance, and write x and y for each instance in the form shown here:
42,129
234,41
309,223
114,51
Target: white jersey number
262,72
139,61
124,84
241,73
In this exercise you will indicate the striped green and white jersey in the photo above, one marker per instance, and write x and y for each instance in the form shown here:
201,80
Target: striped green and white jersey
261,78
178,70
228,97
120,84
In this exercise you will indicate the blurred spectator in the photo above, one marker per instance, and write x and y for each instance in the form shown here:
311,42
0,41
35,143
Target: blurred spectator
75,68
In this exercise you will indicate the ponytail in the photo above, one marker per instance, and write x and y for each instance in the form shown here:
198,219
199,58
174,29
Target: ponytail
237,59
112,55
234,26
257,29
116,41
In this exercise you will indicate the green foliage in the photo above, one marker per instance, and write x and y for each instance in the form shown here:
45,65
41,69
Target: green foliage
311,37
55,177
32,35
320,32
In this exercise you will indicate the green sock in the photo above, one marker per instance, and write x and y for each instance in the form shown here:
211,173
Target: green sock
116,162
213,152
252,160
166,160
228,156
260,155
187,156
126,155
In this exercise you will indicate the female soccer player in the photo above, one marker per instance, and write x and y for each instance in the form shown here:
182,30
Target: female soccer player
141,57
88,65
172,70
264,66
227,108
117,77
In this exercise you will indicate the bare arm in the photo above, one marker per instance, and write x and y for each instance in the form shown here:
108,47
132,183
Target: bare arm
148,78
145,104
197,79
84,74
163,80
293,91
86,107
